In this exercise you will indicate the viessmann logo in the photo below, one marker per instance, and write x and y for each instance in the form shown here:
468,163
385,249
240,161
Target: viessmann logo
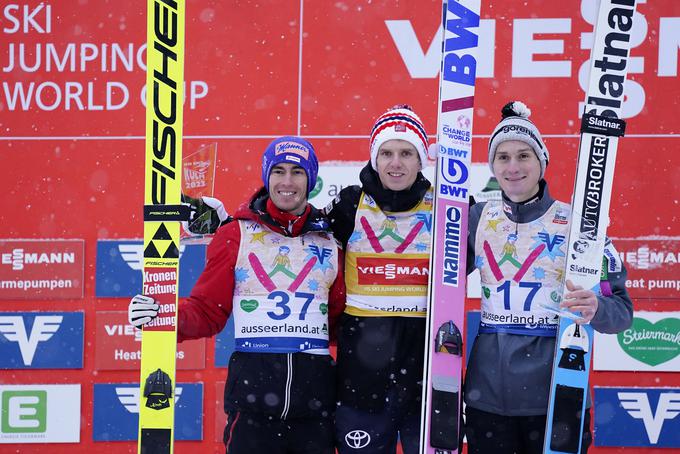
19,258
644,258
381,271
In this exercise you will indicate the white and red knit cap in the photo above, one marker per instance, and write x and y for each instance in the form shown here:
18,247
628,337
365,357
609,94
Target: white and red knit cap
399,123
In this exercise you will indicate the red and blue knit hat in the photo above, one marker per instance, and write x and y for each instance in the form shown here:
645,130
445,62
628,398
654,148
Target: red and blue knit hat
399,123
292,150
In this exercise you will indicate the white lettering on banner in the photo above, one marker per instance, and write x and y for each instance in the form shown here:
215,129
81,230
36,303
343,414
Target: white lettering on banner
637,405
32,19
634,100
121,355
426,65
14,330
123,330
27,284
669,43
393,271
160,276
18,258
645,258
421,65
525,46
80,57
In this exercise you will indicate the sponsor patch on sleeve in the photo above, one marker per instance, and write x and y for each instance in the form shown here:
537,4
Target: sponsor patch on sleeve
614,264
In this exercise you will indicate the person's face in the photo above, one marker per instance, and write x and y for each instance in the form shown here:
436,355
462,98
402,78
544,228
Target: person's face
517,170
288,188
398,164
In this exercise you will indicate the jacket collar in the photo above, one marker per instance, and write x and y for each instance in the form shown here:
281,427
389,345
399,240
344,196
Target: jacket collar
261,209
529,210
392,201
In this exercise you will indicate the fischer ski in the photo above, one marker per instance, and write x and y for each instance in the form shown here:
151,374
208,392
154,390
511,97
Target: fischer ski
601,127
163,212
443,365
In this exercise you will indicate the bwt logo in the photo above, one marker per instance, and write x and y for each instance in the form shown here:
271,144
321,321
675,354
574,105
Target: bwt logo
357,439
637,405
133,254
14,330
129,397
18,258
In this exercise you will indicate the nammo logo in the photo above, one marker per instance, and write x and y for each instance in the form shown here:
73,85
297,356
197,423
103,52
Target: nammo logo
129,397
133,254
13,328
637,405
24,412
357,439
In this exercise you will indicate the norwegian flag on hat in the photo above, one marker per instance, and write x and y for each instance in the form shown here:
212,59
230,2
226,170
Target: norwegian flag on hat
399,123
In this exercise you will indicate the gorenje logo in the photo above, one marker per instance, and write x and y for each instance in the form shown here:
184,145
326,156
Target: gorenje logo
14,330
24,412
637,405
18,258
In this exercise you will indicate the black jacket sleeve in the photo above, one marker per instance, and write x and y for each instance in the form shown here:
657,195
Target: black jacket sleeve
341,213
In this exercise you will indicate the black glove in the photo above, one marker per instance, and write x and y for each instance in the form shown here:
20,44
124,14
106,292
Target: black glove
206,215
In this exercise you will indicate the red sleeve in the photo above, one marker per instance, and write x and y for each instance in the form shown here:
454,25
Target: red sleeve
337,296
209,305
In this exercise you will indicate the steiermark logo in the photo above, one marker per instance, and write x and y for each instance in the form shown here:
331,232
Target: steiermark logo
249,305
316,189
652,343
24,411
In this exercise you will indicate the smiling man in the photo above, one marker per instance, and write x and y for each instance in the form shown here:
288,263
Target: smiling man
385,226
277,269
518,245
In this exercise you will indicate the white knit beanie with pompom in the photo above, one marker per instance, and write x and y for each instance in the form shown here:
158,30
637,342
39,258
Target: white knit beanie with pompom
515,125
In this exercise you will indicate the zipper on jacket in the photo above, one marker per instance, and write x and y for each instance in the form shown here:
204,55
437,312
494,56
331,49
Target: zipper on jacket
289,383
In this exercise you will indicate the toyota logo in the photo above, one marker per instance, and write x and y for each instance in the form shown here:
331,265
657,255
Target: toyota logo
357,439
